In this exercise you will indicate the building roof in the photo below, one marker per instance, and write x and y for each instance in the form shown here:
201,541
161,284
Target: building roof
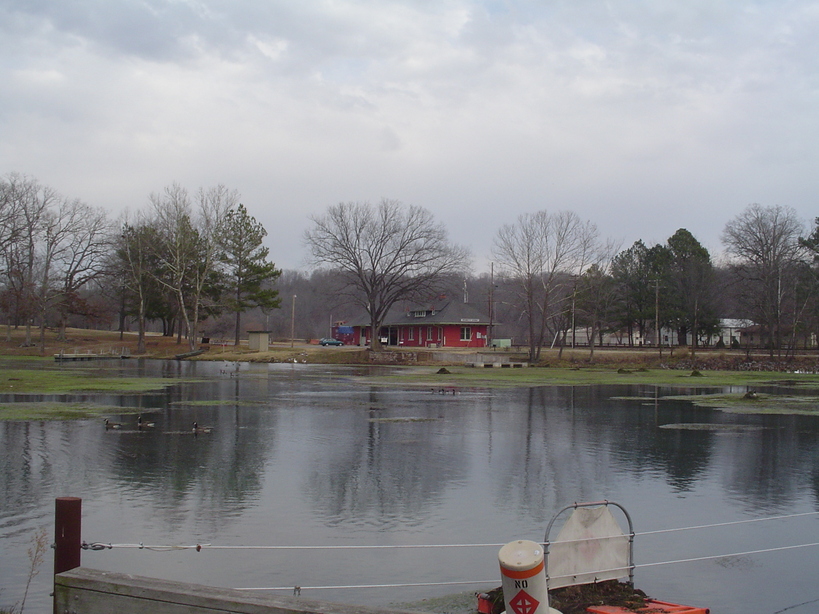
453,312
436,313
735,323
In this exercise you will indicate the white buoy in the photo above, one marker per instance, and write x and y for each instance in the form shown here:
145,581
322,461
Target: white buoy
523,577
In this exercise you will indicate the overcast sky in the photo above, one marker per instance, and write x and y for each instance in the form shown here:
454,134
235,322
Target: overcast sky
641,116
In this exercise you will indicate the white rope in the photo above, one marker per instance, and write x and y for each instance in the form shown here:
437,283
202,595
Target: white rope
198,547
102,546
691,560
723,556
356,547
726,524
495,581
402,585
140,546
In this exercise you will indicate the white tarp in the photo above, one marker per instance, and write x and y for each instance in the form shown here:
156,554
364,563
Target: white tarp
590,547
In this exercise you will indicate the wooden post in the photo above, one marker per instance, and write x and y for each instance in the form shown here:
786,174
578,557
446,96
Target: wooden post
67,541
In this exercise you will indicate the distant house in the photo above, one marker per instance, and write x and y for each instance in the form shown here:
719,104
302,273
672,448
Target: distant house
736,333
442,323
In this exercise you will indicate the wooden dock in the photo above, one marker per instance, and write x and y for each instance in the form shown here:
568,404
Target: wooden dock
498,364
190,354
119,353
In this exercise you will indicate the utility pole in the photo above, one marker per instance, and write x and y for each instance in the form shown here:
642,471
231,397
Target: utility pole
293,321
491,299
574,298
657,315
694,331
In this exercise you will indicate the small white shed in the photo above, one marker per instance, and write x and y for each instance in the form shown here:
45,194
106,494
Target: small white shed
258,340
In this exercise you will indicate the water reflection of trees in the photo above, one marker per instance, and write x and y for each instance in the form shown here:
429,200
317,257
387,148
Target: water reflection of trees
533,450
379,472
43,460
571,443
210,477
682,456
770,467
539,448
544,447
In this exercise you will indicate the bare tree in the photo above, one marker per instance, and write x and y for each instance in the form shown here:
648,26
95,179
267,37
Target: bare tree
30,203
9,230
133,264
176,244
80,258
56,230
386,253
214,205
764,242
187,245
9,212
536,251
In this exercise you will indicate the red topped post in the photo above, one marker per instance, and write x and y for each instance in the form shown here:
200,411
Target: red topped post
67,541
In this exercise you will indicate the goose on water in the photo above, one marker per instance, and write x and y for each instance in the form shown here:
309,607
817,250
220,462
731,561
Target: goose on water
201,429
141,424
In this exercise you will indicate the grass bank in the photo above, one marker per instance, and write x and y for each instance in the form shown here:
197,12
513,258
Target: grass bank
454,377
31,369
12,345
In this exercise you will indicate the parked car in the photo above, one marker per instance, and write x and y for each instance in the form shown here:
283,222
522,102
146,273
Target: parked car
328,341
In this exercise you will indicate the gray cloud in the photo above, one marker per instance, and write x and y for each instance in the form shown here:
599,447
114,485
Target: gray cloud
642,116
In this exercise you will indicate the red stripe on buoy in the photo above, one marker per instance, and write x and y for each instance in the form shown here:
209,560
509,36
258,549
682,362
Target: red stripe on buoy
522,575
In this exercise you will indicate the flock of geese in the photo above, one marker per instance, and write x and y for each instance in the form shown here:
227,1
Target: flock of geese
143,425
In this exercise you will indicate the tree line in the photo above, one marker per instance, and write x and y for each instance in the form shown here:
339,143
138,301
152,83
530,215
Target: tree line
183,259
556,275
195,261
564,275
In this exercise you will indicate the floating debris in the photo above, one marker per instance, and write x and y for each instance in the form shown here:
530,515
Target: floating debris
409,419
704,426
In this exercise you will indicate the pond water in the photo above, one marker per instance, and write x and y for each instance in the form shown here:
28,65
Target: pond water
307,455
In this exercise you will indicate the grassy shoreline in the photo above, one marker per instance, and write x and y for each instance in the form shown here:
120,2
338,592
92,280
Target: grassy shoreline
590,376
32,370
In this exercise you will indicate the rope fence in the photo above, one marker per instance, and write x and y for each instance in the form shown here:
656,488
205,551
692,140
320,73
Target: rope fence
98,546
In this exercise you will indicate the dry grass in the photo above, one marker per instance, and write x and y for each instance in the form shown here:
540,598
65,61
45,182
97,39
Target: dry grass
157,346
102,341
82,341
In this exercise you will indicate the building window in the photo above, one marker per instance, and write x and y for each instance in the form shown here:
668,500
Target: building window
429,333
466,333
411,335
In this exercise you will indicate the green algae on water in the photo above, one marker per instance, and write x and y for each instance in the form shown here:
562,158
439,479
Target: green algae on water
759,404
59,411
52,381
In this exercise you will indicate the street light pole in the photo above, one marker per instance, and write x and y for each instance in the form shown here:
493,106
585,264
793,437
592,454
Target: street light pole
657,316
293,321
491,300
